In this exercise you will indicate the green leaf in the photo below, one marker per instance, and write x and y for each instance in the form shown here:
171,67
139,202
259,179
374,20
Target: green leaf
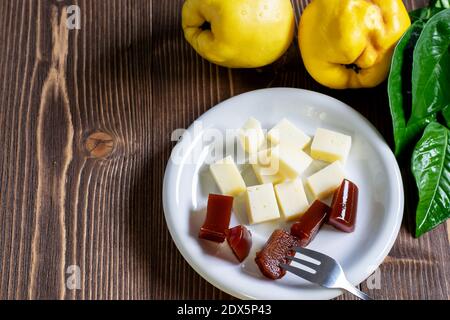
399,89
446,115
424,13
431,68
440,3
431,169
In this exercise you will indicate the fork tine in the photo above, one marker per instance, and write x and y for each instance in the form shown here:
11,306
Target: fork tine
308,264
312,254
299,272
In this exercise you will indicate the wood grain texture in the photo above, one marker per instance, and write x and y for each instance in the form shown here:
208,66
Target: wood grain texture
129,74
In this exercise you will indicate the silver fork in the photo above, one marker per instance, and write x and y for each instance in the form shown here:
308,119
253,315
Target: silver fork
328,273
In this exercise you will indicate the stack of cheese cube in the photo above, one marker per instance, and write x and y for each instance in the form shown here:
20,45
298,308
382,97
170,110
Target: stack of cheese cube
278,161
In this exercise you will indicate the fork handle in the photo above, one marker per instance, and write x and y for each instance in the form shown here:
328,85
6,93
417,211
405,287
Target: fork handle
353,290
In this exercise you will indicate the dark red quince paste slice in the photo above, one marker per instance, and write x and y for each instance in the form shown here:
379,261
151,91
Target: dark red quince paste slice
344,207
218,216
279,245
240,240
307,226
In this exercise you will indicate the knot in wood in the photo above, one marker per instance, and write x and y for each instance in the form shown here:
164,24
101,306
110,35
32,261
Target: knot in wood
100,145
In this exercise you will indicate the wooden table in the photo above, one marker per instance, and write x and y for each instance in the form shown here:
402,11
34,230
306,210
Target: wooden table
85,123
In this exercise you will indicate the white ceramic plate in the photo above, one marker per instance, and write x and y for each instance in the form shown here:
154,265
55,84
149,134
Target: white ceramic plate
371,165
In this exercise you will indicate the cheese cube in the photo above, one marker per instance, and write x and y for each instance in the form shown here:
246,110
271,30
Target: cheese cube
265,169
291,198
262,204
264,175
251,136
324,182
228,177
291,161
287,133
330,146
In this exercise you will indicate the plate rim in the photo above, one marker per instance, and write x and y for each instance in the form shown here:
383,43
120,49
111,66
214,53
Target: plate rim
398,183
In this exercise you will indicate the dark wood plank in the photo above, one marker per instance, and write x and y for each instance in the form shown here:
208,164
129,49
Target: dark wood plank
85,123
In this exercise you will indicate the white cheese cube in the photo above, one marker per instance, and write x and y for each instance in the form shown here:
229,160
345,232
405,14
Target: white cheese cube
264,175
324,182
265,169
251,136
228,177
287,133
291,198
330,146
292,162
262,204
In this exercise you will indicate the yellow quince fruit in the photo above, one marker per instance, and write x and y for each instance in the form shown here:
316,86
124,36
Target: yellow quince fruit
349,43
239,33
